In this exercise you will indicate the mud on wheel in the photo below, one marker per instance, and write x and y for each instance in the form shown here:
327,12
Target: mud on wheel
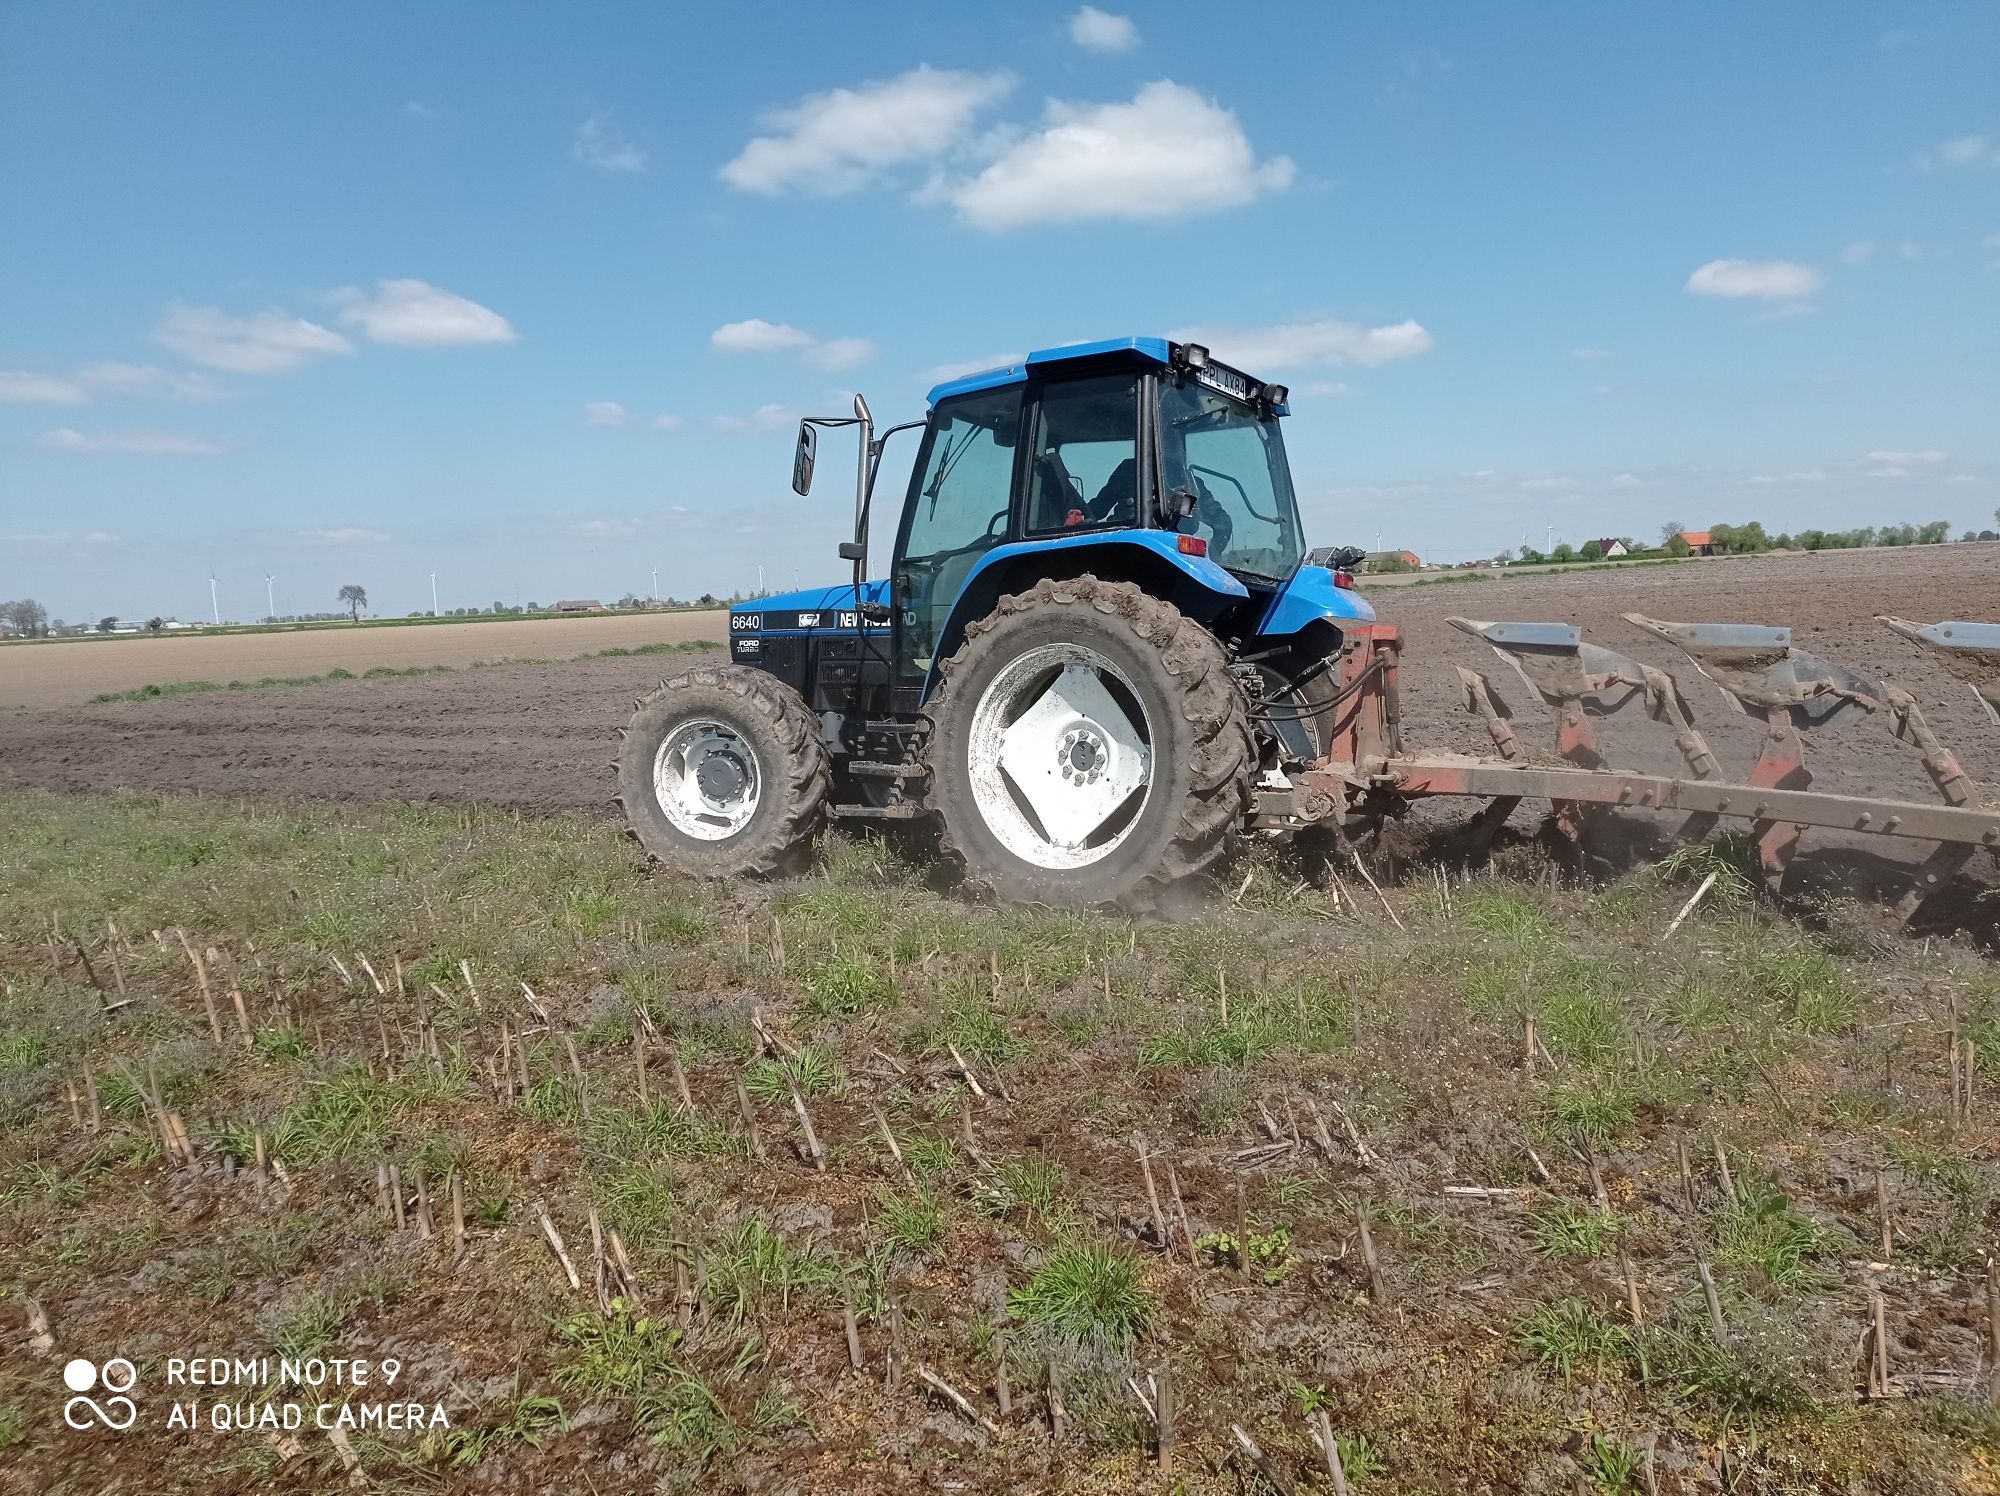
1086,746
722,773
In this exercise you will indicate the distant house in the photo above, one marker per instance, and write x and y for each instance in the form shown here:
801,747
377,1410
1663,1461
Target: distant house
1611,547
581,605
1392,561
1699,542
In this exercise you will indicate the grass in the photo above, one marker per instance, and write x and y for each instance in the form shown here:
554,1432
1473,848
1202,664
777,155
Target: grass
1560,1230
1572,1336
1089,1294
1817,1057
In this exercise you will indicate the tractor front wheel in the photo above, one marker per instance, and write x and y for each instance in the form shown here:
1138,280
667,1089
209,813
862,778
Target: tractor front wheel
722,773
1086,746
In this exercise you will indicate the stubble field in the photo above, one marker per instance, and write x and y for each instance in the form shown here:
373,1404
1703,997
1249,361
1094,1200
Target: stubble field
1197,1192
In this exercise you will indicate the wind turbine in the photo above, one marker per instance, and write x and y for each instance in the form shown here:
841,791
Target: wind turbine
654,595
270,597
214,599
434,594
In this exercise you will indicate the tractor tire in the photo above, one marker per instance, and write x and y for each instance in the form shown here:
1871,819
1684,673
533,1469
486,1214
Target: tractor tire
722,774
1009,804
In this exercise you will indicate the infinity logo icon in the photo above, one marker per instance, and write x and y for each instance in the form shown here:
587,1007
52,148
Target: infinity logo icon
116,1376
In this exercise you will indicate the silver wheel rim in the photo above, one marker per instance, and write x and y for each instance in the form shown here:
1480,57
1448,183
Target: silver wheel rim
1061,756
707,780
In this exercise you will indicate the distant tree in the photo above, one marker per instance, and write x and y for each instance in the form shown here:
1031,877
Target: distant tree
1669,530
1968,535
107,624
155,624
1564,552
356,598
1990,534
26,616
1532,557
1505,558
1934,533
1592,551
1677,545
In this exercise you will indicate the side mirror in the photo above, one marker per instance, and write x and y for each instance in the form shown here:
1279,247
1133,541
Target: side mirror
802,459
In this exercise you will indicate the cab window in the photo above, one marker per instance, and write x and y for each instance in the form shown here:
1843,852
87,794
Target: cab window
960,497
1083,471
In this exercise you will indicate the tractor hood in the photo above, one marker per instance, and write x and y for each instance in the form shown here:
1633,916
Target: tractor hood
1311,594
803,612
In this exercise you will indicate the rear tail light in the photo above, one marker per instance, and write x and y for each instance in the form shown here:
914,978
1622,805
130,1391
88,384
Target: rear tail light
1193,545
1344,579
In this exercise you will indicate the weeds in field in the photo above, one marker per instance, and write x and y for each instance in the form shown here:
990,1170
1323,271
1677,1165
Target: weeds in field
1570,1335
1088,1293
755,1268
1600,1109
913,1222
814,1071
1614,1466
1760,1230
1561,1230
531,1421
309,1324
348,1113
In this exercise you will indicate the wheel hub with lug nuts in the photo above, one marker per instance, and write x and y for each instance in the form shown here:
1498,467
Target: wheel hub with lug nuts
1082,756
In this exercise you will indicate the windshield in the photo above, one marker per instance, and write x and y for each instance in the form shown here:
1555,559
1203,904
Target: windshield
1234,465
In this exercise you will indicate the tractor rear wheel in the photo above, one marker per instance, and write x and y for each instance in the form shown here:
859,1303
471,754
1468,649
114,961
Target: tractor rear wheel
1086,746
722,773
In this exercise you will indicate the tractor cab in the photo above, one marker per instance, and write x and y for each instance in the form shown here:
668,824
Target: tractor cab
1132,459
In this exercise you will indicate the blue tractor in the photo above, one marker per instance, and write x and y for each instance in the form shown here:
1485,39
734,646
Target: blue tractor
1101,655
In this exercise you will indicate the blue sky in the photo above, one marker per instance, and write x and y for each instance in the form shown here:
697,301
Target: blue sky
529,296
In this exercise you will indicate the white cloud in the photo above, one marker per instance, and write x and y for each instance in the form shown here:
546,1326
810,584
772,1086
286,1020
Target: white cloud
1323,389
267,342
1913,459
602,146
664,421
945,373
1099,31
417,314
344,535
63,537
845,138
1860,254
25,387
151,379
764,418
1626,480
1590,355
1546,485
1168,153
135,443
1768,280
755,335
1290,345
605,413
1889,472
604,529
1992,242
1810,475
1961,151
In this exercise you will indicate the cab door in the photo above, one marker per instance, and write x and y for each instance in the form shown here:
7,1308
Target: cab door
960,507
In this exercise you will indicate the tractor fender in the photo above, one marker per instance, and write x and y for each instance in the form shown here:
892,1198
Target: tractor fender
1152,559
1309,596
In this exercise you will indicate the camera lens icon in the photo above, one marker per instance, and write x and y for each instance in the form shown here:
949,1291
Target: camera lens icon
117,1375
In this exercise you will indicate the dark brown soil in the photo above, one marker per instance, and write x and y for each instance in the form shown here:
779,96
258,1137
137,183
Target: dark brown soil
541,737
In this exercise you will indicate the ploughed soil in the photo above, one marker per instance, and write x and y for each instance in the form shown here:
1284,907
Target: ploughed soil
539,737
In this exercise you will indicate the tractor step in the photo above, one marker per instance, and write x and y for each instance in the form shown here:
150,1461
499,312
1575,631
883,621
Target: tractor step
875,769
907,811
